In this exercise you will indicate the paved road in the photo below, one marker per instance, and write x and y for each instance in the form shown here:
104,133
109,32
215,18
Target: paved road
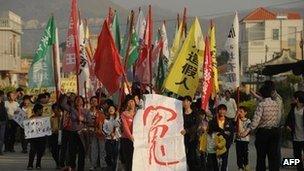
18,161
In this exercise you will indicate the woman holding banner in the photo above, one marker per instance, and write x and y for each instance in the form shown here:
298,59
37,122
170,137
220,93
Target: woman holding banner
127,137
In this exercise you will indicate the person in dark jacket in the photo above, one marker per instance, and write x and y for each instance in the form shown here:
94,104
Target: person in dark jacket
295,123
224,126
3,120
190,132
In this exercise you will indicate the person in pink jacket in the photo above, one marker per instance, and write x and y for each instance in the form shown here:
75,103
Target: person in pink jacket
127,137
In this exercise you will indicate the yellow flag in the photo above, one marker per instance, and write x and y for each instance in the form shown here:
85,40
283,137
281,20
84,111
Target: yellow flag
177,43
183,78
215,83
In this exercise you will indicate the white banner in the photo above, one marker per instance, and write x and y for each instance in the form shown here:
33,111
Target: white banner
19,117
37,127
232,47
158,143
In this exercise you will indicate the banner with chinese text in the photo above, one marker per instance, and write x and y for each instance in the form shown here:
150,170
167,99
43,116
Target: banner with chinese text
183,78
158,143
37,127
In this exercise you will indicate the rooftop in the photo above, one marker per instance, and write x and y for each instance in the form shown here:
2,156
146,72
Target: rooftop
265,14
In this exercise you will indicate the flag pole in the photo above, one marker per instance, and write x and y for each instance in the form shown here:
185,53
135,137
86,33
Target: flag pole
128,49
185,21
150,47
178,22
76,38
55,62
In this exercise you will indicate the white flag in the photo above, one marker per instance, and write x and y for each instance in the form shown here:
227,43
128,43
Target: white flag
140,26
84,71
232,46
158,143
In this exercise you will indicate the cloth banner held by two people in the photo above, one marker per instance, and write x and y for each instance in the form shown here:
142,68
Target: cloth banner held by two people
158,143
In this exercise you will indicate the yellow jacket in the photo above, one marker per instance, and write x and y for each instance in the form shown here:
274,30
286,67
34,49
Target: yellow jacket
220,143
203,142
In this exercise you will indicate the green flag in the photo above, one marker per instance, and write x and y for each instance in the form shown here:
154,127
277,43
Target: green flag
133,53
116,31
41,73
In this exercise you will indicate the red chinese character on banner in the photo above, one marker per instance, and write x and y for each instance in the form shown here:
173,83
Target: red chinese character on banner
154,116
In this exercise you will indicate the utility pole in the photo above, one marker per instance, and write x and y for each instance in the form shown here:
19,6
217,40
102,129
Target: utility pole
301,44
266,52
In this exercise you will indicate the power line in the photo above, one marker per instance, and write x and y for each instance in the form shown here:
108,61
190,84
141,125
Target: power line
174,19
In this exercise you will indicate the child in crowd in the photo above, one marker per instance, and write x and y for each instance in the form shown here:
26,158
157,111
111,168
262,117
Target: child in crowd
242,143
111,128
37,145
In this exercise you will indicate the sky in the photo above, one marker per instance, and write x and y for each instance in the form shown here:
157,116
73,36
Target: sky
207,7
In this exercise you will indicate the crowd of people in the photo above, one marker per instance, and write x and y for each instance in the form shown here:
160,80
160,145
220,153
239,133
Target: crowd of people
101,130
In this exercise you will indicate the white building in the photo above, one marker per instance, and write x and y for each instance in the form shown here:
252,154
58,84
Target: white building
264,33
10,47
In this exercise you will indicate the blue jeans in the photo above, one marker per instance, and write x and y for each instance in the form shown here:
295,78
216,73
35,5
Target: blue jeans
112,153
2,133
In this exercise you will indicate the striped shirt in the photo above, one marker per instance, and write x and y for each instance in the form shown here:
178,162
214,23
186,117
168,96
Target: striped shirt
267,115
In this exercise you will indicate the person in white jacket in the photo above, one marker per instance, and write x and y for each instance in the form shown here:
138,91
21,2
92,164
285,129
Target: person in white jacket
111,128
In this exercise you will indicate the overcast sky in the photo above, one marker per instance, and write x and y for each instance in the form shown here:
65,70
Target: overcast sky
205,7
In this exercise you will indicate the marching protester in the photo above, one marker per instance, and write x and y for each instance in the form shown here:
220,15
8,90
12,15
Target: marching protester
37,145
266,121
11,107
190,132
242,123
231,106
97,146
79,117
3,120
111,128
127,138
53,139
224,126
65,131
295,123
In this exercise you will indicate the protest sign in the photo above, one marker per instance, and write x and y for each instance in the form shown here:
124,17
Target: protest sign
37,127
158,143
19,117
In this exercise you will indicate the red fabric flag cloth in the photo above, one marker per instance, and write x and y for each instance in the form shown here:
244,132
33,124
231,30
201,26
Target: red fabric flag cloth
72,42
207,79
143,68
108,68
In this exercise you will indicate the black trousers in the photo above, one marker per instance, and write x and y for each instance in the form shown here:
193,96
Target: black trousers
224,163
76,150
54,147
37,148
24,142
266,144
298,148
63,156
192,154
10,133
212,163
241,153
111,153
127,150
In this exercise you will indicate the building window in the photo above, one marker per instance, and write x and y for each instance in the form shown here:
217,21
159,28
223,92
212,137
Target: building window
275,34
291,37
257,32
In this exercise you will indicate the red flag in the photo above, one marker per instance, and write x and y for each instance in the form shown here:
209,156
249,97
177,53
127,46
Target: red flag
108,68
72,42
207,79
143,66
